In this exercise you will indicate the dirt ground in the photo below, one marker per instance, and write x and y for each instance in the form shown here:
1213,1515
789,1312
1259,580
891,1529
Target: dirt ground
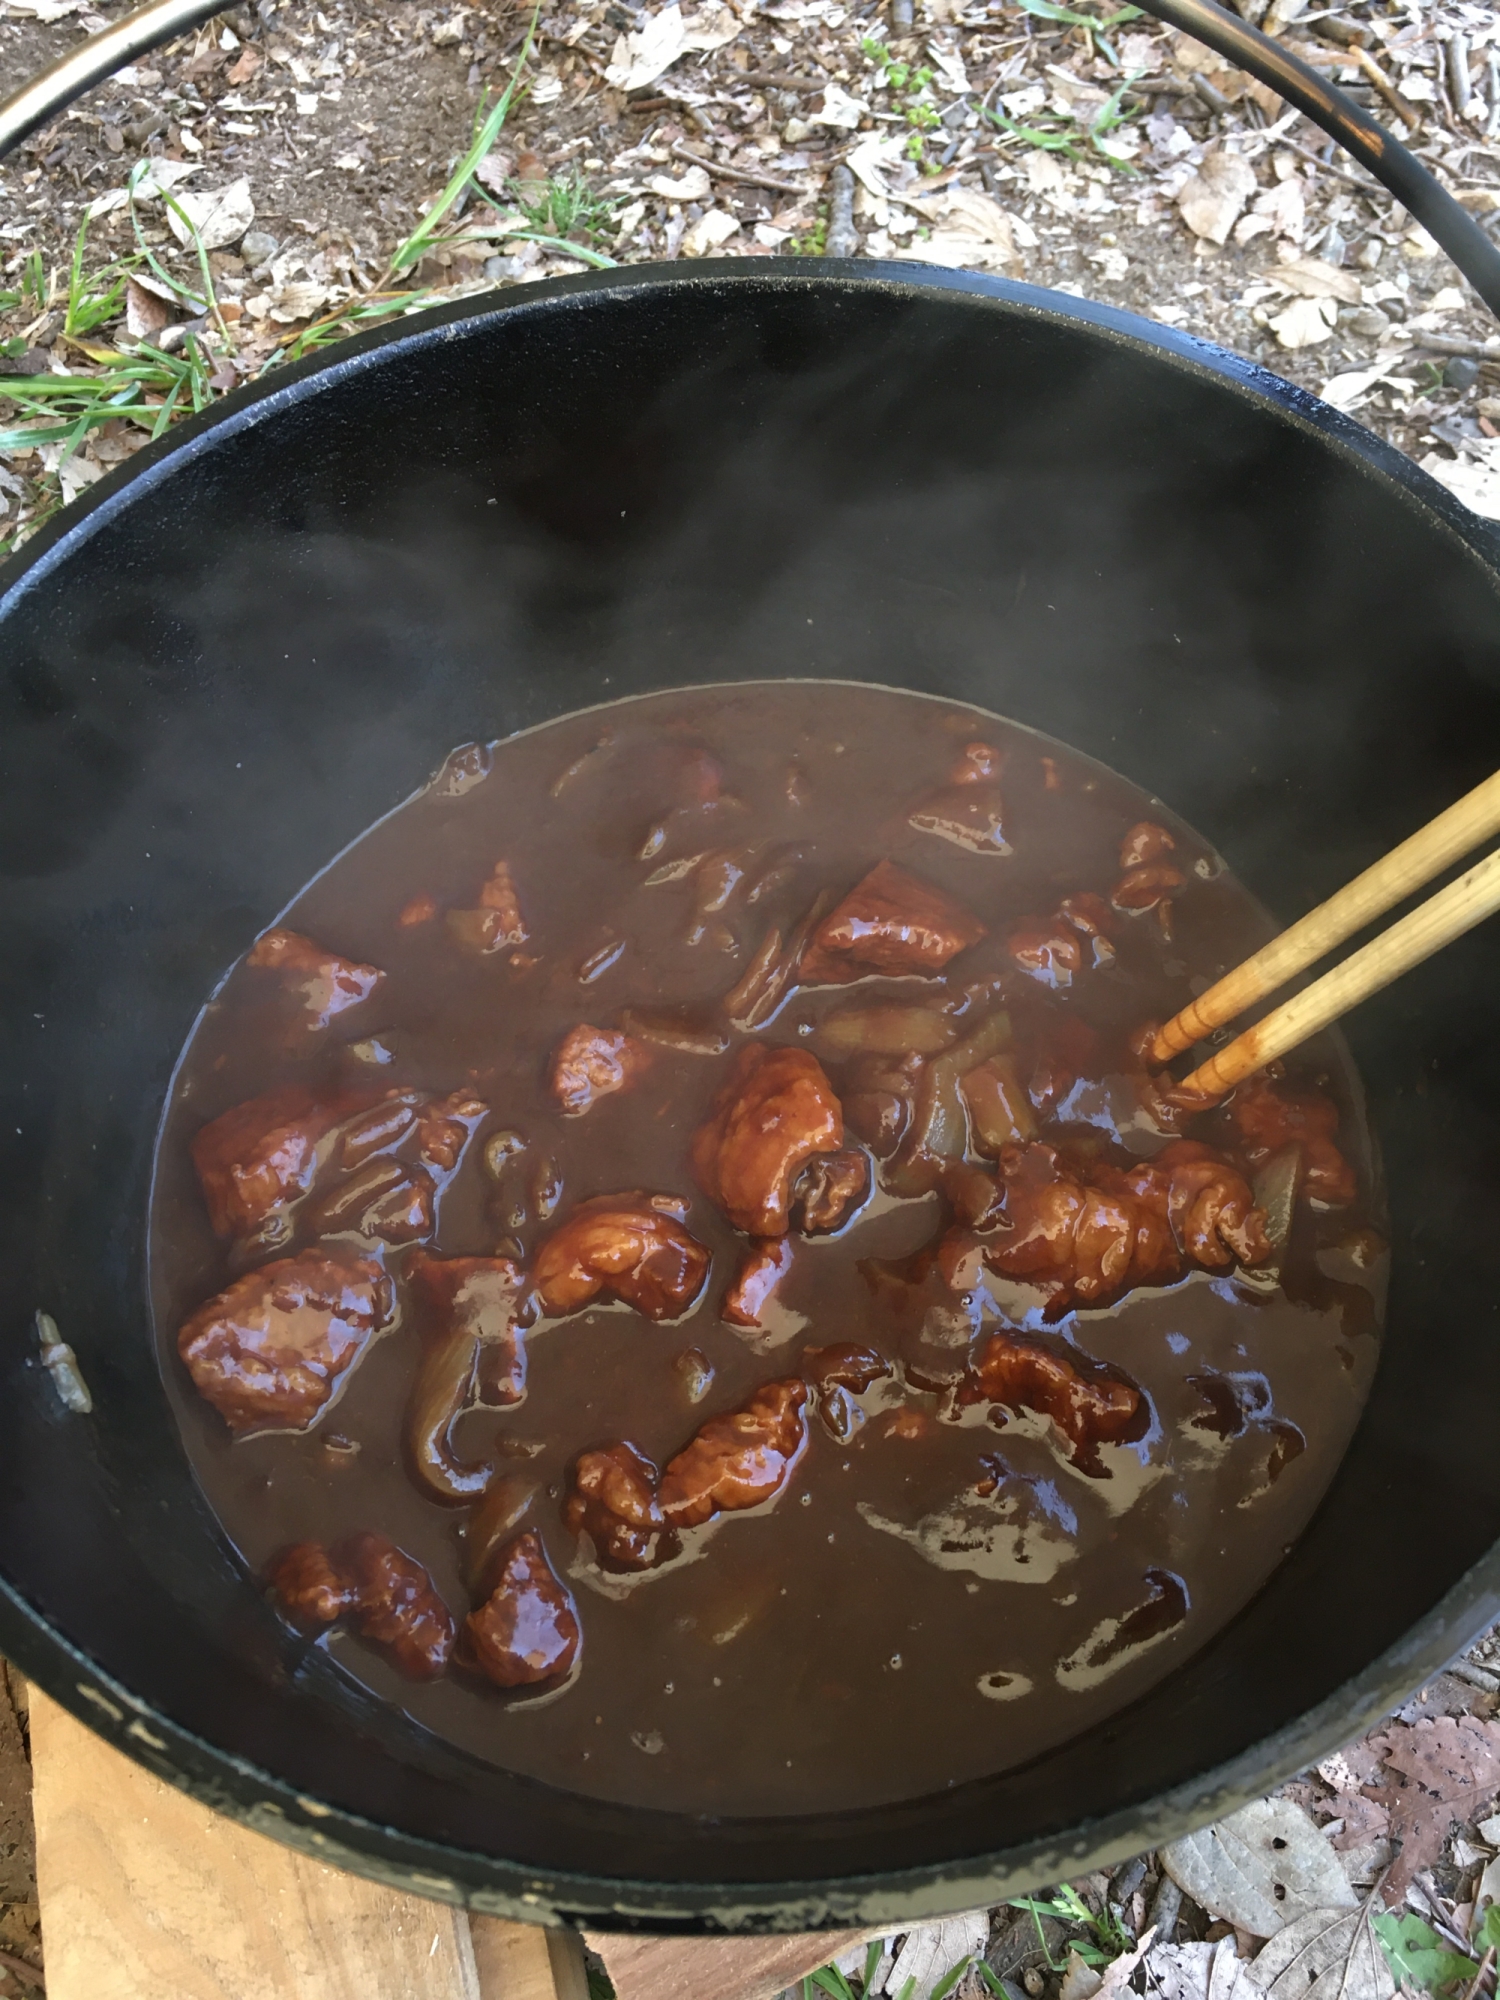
1191,198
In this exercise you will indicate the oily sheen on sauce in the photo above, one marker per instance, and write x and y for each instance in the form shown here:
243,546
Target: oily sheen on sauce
1059,1370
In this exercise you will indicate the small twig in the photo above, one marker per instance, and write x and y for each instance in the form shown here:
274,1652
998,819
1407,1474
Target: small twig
735,173
10,1963
1443,343
1478,1980
777,79
1387,88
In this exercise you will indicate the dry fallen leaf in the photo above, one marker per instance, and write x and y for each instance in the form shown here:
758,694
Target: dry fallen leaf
145,313
1325,1955
1305,322
1212,199
1314,279
1260,1869
1447,1770
930,1953
703,237
1197,1972
220,215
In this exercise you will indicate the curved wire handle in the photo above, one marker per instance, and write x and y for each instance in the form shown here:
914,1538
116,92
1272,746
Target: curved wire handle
1418,191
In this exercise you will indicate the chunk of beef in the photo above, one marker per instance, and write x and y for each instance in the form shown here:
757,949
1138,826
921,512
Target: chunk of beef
892,922
1047,949
632,1245
384,1125
1089,1231
830,1190
272,1349
847,1364
445,1126
384,1199
312,1587
1266,1115
1146,888
1090,1407
497,922
737,1460
1054,950
761,1271
256,1159
777,1111
388,1595
526,1633
323,983
471,1311
612,1498
398,1605
1145,843
969,810
591,1063
1209,1205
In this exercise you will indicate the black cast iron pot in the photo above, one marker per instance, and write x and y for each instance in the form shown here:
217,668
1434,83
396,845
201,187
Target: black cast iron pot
269,630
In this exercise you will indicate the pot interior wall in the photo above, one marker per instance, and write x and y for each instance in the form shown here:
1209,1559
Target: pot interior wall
226,672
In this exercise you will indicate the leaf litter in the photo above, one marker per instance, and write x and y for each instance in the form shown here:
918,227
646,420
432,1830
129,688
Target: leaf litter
322,167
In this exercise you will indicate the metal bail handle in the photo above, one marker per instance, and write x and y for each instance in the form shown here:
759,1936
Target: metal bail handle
1418,191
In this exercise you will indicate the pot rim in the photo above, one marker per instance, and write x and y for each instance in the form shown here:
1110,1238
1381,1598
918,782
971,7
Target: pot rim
256,1797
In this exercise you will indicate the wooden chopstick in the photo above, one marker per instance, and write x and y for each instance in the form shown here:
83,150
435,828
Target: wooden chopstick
1436,846
1447,915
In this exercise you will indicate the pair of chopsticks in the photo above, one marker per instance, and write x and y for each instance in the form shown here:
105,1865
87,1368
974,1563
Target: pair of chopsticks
1465,902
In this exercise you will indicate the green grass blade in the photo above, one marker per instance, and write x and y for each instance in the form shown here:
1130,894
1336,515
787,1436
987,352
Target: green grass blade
947,1983
568,248
832,1981
873,1955
411,251
990,1977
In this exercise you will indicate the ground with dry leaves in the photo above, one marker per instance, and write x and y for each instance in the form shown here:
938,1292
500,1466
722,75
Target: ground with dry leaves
324,133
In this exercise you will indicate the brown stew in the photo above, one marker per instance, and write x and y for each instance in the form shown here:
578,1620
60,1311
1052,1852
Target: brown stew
672,1267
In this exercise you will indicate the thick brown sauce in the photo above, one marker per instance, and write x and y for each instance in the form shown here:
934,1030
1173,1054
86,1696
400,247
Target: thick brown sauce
834,1649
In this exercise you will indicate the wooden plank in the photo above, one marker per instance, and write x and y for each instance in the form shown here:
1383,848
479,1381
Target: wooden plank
525,1962
146,1893
739,1968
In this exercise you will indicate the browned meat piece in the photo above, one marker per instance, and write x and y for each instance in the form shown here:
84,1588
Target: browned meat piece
1266,1116
762,1269
1144,843
830,1190
891,922
632,1245
1048,949
1146,888
445,1127
420,910
324,983
777,1111
471,1311
844,1365
879,1093
527,1631
1091,1232
1210,1207
737,1460
969,810
311,1586
497,922
591,1063
1092,918
398,1607
388,1593
259,1157
613,1500
271,1350
1089,1409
